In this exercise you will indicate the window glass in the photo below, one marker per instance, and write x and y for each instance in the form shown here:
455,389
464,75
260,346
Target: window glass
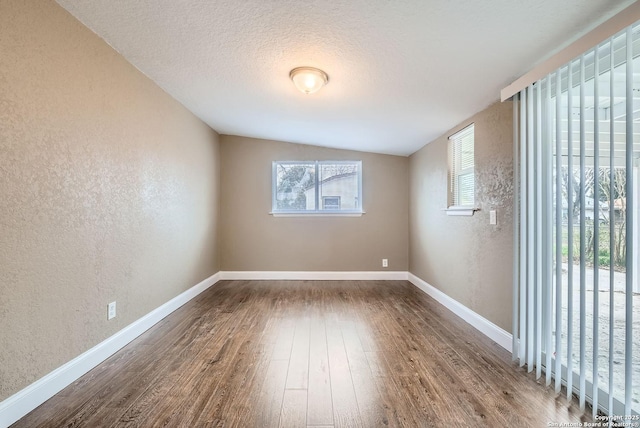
294,186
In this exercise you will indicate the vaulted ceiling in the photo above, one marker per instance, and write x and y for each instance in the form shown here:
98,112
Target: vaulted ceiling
401,72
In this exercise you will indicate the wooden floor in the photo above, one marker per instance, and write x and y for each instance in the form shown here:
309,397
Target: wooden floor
308,353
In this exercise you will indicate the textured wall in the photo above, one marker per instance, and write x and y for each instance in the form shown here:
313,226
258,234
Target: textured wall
253,240
465,257
108,191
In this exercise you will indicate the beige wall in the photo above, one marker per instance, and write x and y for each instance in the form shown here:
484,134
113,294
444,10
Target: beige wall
253,240
465,257
108,191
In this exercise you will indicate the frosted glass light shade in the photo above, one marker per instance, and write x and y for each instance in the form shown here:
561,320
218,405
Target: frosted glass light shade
308,79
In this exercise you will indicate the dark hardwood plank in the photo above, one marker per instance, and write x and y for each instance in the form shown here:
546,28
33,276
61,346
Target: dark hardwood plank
269,405
374,364
345,406
308,353
284,341
298,375
294,406
374,411
319,405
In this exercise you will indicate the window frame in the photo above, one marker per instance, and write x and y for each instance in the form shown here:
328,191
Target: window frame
455,172
318,211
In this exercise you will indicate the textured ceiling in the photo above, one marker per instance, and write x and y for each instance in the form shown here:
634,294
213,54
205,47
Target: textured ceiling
401,72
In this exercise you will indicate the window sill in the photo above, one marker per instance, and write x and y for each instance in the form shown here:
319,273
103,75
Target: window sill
317,214
461,211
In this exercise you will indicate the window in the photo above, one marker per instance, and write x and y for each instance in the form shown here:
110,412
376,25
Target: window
461,172
317,187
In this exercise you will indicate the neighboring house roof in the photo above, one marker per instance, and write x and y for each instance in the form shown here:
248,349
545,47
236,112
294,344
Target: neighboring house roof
332,178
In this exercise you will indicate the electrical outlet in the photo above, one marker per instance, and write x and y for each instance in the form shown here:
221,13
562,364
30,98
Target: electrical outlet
385,263
493,217
111,310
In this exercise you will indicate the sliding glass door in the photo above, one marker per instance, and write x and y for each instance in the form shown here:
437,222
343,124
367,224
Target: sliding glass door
577,292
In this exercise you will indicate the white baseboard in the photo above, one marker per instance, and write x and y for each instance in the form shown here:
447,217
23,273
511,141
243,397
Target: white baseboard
489,329
24,401
305,275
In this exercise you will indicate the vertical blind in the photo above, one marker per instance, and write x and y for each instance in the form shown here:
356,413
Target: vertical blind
576,288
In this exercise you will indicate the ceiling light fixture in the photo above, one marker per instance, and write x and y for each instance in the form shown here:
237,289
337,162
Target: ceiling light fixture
308,79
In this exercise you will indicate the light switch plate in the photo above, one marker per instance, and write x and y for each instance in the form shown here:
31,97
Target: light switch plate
111,310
